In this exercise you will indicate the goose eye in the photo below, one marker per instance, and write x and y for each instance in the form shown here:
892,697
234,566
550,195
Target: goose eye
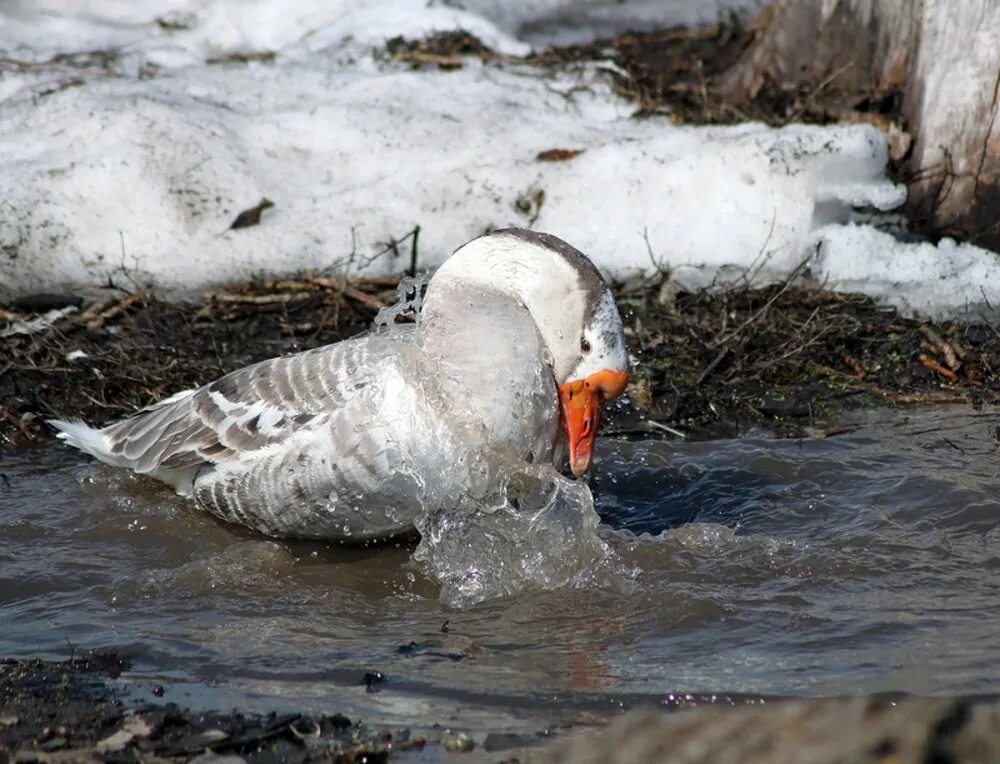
585,345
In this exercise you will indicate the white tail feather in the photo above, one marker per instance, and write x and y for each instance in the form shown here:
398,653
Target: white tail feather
93,441
88,439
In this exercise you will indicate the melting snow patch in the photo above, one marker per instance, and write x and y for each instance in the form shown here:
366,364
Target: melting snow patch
565,22
142,178
131,164
942,280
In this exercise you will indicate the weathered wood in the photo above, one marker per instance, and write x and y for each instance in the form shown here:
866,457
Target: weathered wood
866,730
940,58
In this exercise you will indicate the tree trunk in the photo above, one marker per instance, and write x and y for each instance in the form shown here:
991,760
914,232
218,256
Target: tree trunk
935,64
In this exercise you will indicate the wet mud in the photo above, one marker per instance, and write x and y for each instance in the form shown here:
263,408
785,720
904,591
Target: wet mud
70,712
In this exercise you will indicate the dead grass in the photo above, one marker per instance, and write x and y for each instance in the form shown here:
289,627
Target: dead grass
675,72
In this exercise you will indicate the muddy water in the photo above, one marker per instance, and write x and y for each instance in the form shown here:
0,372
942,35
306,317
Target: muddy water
868,561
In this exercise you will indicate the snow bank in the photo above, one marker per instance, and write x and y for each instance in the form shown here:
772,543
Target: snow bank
568,22
948,279
133,165
177,33
145,176
172,31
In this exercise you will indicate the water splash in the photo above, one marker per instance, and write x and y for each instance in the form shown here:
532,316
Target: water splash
496,518
537,530
409,298
867,560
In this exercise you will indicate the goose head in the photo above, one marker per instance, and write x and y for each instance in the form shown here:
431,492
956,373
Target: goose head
574,311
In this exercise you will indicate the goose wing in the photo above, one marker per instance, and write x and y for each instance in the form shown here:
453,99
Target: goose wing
364,470
236,416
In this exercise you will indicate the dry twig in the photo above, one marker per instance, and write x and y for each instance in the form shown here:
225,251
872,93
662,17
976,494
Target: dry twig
344,288
930,363
946,350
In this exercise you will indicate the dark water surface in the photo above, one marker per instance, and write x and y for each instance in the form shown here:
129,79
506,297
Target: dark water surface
868,561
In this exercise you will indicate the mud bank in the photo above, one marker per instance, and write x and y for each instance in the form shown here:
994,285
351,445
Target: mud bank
70,711
790,356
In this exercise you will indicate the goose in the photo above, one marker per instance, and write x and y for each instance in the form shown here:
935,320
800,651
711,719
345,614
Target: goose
517,346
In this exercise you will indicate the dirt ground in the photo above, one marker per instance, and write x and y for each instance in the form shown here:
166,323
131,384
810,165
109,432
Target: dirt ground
118,352
677,72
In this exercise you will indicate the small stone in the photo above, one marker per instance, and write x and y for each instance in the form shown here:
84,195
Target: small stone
332,724
372,679
667,296
202,739
54,744
458,743
134,726
305,728
8,721
213,758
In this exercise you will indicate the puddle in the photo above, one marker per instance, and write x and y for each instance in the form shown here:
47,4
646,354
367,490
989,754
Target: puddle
865,562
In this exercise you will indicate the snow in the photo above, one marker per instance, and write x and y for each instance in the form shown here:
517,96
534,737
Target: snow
943,280
568,22
132,166
183,32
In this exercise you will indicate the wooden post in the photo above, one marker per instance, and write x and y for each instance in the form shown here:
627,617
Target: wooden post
934,62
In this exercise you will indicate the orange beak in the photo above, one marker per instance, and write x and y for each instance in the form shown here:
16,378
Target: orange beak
581,403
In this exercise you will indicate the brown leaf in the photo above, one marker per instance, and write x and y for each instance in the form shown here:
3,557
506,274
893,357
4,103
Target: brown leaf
251,216
558,155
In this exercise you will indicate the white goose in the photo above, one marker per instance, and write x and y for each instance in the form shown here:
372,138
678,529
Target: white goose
518,333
